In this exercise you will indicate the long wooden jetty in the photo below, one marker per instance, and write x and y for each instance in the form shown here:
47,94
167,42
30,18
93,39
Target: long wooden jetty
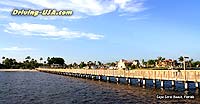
142,75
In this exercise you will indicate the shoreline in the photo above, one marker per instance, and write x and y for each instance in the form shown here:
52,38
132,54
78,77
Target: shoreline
17,70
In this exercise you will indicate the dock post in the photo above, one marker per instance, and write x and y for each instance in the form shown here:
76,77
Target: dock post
117,79
186,85
197,84
154,82
173,83
144,82
126,80
93,77
99,77
129,81
139,80
162,83
108,78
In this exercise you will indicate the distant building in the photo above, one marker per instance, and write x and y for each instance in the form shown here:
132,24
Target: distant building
56,66
122,64
136,62
166,63
112,67
198,65
94,67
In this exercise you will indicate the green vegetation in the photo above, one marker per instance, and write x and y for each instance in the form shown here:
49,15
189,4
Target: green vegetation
151,63
9,63
29,63
57,62
82,64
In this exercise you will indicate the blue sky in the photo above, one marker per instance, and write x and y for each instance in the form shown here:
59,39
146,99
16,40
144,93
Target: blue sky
102,30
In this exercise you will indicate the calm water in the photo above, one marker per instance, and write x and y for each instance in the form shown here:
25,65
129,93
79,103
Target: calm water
44,88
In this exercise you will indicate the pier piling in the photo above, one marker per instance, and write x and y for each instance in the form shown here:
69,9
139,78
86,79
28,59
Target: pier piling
144,82
117,79
99,77
154,82
186,85
93,77
140,75
108,78
196,84
129,80
173,83
139,80
162,83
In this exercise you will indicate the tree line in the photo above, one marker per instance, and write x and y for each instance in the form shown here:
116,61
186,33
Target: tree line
152,62
29,63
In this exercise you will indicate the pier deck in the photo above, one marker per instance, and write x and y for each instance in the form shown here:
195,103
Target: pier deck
143,74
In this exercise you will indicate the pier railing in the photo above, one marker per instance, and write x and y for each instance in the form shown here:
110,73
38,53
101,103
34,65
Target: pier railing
181,75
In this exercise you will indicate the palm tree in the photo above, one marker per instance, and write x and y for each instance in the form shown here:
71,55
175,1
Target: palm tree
89,64
32,59
48,58
95,63
3,57
28,58
143,63
151,63
75,65
181,59
41,59
99,63
190,62
160,58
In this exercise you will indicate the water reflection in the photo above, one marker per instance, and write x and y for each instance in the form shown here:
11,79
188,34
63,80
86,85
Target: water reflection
37,87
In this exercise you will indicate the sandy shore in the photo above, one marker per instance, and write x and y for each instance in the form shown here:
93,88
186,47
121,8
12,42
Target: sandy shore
11,70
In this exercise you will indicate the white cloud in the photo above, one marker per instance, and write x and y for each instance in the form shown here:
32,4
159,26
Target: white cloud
138,18
5,9
82,7
135,18
47,31
60,17
16,49
3,17
131,5
15,3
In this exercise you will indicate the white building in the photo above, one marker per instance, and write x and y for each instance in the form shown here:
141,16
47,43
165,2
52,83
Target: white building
56,66
122,64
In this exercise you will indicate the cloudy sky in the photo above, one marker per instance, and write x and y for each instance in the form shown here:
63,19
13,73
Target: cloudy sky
105,30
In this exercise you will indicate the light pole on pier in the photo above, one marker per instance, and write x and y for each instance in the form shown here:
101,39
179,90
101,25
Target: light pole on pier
184,64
